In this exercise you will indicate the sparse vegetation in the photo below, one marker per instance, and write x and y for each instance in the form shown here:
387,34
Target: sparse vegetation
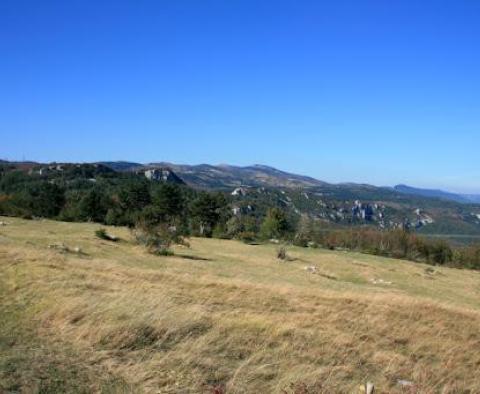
282,253
156,238
102,234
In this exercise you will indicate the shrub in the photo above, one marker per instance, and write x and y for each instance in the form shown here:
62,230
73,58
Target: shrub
441,253
468,257
282,253
305,232
163,252
102,234
301,240
116,217
220,231
158,238
246,236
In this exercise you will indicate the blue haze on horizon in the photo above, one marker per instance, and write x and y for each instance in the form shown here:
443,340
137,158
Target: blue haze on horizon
379,92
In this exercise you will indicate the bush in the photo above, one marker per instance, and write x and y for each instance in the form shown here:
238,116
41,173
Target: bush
305,232
158,238
282,253
220,231
163,252
301,240
116,217
246,236
441,253
102,234
468,257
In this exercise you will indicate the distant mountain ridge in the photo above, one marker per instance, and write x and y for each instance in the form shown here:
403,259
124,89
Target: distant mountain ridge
441,194
335,204
228,176
121,165
258,187
225,176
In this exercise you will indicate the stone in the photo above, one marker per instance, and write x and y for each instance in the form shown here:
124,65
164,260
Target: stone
405,383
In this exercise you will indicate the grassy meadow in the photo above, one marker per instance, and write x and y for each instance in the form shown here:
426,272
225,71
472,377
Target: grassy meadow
221,316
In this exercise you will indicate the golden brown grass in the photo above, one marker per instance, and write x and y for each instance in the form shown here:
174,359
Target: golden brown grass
225,316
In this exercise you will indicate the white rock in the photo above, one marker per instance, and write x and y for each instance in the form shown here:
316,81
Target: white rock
369,388
380,282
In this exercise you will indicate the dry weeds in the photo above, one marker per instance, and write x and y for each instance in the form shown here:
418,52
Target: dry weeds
230,319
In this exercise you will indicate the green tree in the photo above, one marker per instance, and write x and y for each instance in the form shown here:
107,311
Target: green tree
93,206
241,227
275,224
45,199
134,195
206,211
169,200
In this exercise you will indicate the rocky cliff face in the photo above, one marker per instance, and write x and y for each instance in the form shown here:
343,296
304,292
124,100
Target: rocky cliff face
162,175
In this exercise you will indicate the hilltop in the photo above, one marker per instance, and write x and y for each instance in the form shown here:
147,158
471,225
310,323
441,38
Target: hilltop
222,316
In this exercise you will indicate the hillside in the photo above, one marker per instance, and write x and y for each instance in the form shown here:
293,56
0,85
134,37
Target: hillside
252,190
228,176
344,204
225,176
222,316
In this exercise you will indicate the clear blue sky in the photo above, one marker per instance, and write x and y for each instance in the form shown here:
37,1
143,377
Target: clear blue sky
381,92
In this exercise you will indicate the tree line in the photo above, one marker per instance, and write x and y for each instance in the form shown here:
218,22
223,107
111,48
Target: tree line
89,193
162,213
397,243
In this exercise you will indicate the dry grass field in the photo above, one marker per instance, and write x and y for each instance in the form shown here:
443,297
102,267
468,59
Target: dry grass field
225,317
